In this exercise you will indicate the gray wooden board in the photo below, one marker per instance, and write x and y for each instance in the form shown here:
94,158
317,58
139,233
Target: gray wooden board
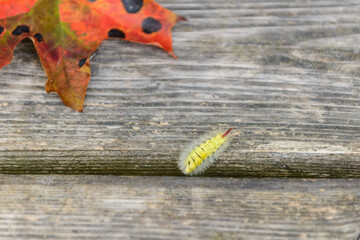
110,207
284,74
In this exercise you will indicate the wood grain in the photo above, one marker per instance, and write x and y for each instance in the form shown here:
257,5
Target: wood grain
105,207
284,74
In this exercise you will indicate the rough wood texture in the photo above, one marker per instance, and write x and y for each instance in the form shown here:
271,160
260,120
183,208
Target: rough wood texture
284,74
93,207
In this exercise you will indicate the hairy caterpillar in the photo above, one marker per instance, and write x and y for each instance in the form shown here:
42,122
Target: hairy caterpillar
201,153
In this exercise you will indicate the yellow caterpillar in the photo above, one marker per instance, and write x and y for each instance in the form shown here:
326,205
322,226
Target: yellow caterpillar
201,153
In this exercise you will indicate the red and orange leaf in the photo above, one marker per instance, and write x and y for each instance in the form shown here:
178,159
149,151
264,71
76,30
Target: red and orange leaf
66,32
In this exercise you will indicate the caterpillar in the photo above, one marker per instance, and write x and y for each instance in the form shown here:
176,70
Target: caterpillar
202,152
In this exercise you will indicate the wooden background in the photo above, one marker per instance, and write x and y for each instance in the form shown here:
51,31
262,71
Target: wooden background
284,74
105,207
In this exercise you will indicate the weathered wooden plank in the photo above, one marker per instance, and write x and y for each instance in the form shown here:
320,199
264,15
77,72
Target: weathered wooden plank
284,74
105,207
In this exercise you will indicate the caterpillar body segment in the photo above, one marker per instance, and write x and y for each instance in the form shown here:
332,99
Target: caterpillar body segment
200,154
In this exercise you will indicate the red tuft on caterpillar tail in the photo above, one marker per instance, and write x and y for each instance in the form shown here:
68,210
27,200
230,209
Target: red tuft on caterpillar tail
227,132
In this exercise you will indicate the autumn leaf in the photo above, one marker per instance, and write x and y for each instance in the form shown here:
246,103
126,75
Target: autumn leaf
66,32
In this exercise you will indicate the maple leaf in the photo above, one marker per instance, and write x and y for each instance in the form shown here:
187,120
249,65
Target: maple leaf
66,32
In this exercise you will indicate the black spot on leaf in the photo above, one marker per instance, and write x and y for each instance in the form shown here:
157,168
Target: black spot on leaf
133,6
116,33
82,62
38,37
1,29
150,25
20,30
